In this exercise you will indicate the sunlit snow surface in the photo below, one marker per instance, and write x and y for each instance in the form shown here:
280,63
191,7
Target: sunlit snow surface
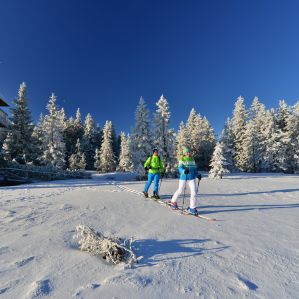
251,252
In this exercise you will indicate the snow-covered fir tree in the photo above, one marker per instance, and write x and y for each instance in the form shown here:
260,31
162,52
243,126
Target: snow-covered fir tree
73,130
37,136
3,134
97,160
77,160
78,124
89,141
201,138
295,135
284,155
239,126
19,145
253,147
227,141
181,141
291,129
207,145
252,160
98,136
115,143
53,145
125,157
164,137
141,141
218,163
107,158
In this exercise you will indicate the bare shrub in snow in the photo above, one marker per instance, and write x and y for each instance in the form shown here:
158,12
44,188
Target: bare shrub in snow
113,250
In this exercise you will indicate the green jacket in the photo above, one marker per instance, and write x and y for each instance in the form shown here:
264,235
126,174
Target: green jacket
155,163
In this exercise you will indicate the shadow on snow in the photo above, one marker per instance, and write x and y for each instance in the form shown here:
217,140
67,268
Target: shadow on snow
250,193
155,251
242,208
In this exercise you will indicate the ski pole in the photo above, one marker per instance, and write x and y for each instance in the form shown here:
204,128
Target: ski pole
197,186
199,178
160,185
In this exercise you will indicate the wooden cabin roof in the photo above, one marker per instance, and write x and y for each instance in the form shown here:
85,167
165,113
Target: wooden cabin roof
2,103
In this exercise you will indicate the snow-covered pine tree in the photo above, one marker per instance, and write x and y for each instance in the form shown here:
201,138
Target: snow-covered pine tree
193,137
292,129
82,163
98,136
141,141
107,158
296,135
63,118
88,141
207,145
239,126
250,144
77,160
37,136
201,139
74,130
68,137
125,157
3,134
253,146
181,141
115,143
218,163
284,156
269,130
79,130
53,145
7,147
164,137
19,145
97,160
227,141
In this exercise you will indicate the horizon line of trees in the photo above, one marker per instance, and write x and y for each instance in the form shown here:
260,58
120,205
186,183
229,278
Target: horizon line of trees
253,140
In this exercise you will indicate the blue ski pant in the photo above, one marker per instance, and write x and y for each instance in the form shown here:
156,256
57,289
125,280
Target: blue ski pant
152,177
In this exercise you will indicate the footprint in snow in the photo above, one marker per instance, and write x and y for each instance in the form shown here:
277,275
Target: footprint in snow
9,285
66,207
246,284
4,249
39,289
24,262
3,290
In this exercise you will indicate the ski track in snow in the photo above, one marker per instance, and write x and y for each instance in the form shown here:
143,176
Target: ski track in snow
242,257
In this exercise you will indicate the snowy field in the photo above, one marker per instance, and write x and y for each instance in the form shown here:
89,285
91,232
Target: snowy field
251,252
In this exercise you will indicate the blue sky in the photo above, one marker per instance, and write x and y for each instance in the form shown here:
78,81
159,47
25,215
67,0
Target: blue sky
102,56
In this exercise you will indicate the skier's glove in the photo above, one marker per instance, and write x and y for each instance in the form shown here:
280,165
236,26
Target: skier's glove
162,174
199,177
146,168
186,171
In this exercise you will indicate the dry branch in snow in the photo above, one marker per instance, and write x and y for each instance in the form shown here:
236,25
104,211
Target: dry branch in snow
113,250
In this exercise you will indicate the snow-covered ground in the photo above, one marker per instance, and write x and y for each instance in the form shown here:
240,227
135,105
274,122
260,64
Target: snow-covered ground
251,252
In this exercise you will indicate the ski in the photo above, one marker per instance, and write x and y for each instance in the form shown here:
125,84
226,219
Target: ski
185,212
179,211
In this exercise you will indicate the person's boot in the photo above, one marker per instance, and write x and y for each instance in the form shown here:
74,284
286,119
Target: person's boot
174,205
145,194
192,211
155,195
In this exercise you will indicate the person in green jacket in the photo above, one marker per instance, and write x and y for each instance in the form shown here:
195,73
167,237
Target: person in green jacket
155,168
